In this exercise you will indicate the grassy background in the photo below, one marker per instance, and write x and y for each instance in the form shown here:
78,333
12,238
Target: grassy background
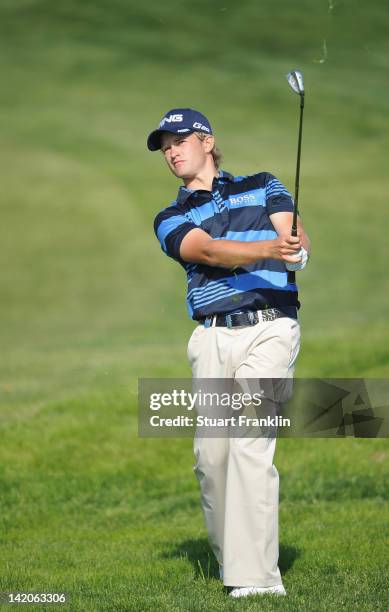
89,304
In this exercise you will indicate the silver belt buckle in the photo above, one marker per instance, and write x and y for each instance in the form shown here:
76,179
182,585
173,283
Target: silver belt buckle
251,317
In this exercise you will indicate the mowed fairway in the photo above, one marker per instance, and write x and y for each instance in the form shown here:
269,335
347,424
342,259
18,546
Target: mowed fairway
89,304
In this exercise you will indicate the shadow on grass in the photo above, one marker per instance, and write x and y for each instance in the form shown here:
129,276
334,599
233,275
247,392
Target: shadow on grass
199,554
288,555
205,566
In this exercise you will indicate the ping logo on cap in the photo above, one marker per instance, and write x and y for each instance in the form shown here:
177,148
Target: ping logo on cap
171,119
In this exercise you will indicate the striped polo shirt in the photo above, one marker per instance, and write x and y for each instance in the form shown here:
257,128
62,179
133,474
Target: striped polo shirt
237,208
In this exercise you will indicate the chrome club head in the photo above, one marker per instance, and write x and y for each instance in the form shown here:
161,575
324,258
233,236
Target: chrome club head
295,80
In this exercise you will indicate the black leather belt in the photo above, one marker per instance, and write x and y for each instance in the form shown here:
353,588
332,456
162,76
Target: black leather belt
252,317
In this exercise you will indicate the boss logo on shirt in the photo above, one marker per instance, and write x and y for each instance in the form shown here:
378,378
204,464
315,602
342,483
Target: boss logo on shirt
171,119
247,198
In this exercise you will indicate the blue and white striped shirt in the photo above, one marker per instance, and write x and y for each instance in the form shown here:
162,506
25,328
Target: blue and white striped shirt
238,208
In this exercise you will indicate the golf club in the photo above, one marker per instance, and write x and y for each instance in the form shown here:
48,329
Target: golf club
295,80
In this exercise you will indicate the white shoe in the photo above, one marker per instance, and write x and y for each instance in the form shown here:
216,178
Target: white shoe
278,589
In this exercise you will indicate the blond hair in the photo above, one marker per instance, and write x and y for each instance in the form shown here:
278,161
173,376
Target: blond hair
216,153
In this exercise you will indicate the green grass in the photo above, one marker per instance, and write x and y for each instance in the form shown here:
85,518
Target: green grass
89,303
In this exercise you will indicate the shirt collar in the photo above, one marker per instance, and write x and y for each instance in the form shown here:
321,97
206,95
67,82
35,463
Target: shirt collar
184,193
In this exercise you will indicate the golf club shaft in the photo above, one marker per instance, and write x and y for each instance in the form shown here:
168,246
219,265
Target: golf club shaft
297,181
292,275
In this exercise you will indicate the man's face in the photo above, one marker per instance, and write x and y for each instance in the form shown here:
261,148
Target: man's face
186,155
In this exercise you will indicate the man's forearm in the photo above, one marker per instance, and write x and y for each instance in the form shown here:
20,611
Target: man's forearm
198,247
234,253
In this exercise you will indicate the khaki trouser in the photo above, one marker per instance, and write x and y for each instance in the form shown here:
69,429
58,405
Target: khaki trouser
238,480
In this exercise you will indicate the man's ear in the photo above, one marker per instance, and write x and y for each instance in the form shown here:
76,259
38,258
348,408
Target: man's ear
209,143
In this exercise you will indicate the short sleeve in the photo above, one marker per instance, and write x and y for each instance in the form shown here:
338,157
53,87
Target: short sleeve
278,198
170,227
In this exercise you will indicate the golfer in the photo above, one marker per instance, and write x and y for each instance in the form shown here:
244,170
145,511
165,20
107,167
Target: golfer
232,235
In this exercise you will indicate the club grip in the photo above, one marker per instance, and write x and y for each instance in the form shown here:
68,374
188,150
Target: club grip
291,274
